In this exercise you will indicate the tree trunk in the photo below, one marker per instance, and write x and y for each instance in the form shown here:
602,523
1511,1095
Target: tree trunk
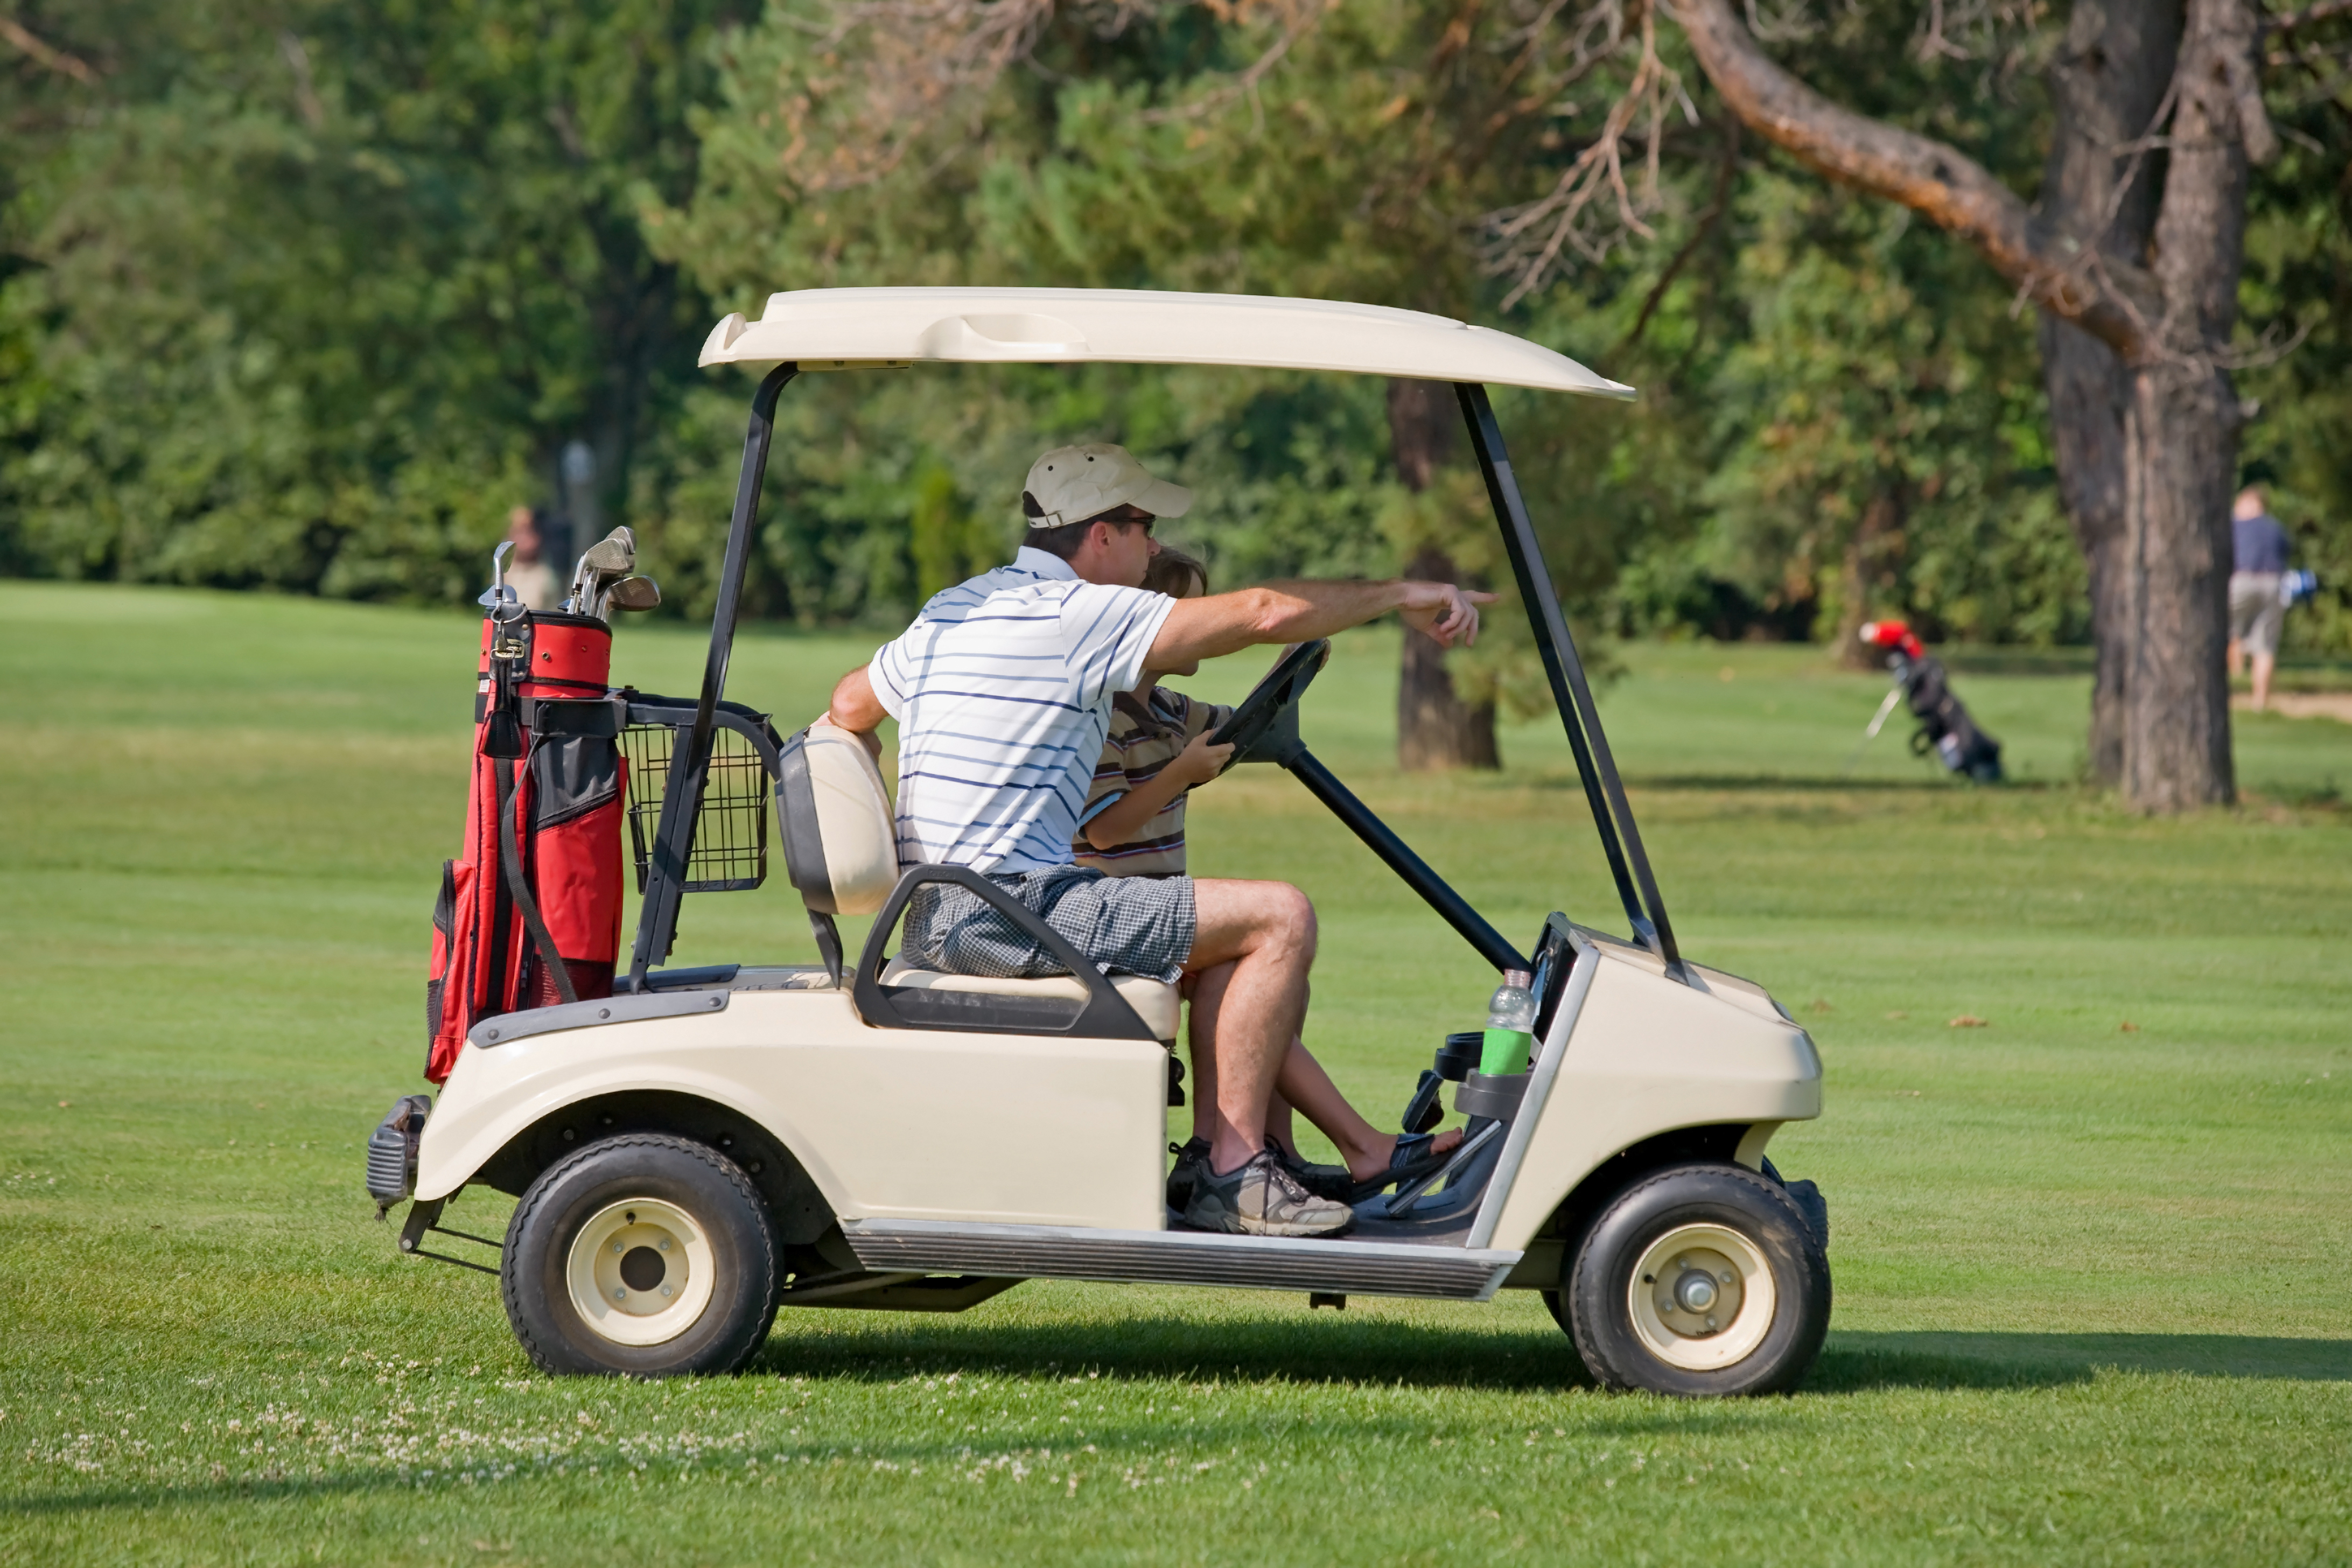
2090,390
2181,430
2108,83
2181,441
1435,729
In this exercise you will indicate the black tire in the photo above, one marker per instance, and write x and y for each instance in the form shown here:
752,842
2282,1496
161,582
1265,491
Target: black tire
690,1193
1758,1230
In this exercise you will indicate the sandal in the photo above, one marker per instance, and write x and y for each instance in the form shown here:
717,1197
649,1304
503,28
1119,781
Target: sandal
1414,1157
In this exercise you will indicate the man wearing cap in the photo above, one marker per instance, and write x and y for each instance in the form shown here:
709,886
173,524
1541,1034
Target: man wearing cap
1003,691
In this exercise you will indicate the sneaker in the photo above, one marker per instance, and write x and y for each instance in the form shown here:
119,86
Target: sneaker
1190,1157
1324,1181
1261,1198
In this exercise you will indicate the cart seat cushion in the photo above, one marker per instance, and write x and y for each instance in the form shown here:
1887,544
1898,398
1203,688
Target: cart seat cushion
1154,1001
840,840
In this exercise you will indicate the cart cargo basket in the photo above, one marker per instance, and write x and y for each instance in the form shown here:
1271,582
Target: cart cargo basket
730,851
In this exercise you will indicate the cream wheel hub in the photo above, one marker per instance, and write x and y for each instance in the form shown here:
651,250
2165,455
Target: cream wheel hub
640,1271
1702,1297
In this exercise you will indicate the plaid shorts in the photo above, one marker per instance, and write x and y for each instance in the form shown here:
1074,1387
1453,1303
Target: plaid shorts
1128,925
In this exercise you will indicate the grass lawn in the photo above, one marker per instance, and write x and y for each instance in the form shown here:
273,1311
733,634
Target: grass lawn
2092,1296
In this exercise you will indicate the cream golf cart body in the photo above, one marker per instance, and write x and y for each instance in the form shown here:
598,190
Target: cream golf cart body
851,1134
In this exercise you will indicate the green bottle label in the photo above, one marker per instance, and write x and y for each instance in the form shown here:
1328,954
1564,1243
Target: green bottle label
1505,1052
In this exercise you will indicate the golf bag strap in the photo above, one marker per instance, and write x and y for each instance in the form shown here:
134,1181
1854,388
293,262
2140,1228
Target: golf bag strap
510,857
561,718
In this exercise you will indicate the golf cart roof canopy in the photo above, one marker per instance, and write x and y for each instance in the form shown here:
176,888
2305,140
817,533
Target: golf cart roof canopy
845,328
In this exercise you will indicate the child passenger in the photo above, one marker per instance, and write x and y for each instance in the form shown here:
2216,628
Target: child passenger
1133,825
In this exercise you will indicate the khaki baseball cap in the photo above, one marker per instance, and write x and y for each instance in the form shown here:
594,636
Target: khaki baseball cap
1073,484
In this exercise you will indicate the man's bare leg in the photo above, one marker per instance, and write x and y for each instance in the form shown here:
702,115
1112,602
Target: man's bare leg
2264,663
1263,935
1208,991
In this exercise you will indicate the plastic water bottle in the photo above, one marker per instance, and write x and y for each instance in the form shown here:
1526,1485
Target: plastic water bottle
1510,1018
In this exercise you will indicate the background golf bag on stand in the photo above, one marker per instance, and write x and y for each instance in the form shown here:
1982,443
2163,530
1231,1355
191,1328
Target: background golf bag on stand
530,916
1945,727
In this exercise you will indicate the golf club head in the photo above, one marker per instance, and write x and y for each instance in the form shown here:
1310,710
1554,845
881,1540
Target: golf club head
634,594
611,556
498,593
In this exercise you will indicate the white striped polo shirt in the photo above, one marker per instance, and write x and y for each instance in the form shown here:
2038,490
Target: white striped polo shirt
1001,690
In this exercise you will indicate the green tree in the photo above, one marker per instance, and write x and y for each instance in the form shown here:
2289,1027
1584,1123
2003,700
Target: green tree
310,293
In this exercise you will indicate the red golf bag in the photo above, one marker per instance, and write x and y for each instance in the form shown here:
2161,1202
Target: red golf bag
529,915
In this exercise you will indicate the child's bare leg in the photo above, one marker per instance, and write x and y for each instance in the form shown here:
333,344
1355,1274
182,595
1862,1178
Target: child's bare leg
1278,1128
1302,1082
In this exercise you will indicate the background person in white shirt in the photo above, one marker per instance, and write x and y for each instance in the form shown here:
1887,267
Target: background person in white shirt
1002,690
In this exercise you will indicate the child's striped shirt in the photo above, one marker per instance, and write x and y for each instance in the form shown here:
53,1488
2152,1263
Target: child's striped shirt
1146,735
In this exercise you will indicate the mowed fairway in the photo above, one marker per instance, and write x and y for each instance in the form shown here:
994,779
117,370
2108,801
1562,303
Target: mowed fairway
2094,1260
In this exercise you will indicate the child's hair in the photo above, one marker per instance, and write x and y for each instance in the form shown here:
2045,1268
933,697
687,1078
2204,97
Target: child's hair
1176,575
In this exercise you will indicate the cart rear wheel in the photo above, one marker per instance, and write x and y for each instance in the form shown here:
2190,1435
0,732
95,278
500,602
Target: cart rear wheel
646,1255
1701,1279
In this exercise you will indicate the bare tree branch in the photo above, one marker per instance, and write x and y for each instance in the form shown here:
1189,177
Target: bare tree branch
890,72
2113,300
1528,239
1726,170
47,55
918,61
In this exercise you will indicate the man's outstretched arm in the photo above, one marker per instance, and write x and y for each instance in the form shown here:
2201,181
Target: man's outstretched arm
1298,612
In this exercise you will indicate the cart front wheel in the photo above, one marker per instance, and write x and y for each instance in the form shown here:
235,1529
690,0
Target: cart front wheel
646,1255
1701,1279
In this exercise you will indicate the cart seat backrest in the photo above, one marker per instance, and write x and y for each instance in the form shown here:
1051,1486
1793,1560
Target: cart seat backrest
841,841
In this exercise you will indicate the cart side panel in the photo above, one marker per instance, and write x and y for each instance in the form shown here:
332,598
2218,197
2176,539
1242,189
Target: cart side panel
898,1123
1647,1056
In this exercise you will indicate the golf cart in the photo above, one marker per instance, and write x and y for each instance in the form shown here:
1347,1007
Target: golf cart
700,1147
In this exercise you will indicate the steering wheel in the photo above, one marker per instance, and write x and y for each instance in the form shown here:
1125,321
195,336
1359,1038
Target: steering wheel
1269,711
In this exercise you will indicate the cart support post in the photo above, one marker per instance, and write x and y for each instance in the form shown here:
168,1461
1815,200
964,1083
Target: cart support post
1451,906
1604,791
689,764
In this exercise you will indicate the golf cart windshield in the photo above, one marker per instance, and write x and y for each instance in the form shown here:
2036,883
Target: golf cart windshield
848,329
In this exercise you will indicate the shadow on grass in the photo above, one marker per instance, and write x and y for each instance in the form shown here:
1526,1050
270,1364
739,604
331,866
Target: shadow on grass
1936,1359
1325,1350
1389,1354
